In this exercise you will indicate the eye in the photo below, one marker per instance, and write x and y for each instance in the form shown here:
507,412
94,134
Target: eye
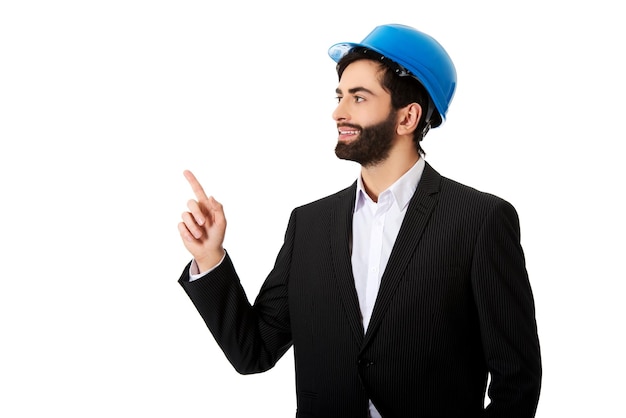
359,99
338,98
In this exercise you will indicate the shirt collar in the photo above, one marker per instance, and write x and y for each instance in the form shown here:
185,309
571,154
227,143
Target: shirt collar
402,189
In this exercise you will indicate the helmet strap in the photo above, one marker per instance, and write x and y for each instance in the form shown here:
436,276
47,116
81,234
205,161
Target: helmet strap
428,117
426,129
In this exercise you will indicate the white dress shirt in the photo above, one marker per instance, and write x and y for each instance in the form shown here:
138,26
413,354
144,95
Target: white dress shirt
375,226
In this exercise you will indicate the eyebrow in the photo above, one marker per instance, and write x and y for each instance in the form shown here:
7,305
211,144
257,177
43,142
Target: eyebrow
355,90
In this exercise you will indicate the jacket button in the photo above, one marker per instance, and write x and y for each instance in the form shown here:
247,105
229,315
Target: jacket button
365,363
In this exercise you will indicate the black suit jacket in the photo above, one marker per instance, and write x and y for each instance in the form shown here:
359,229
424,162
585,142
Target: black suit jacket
454,304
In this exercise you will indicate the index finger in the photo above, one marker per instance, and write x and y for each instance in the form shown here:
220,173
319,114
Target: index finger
195,186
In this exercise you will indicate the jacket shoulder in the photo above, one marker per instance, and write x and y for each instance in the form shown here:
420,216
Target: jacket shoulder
329,201
454,190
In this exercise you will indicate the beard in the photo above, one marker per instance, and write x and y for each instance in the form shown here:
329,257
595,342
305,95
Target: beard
372,145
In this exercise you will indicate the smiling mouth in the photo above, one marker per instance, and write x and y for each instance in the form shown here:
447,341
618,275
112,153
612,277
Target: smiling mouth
347,134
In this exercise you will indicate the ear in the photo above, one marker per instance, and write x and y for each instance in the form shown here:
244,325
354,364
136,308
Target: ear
408,117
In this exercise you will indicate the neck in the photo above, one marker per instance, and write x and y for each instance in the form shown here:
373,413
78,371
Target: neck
379,177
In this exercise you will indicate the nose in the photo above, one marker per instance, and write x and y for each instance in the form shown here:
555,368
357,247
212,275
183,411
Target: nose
340,113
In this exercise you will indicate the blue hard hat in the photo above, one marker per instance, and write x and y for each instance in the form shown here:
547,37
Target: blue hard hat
420,54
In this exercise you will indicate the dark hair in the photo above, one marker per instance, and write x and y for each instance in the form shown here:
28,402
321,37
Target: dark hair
403,90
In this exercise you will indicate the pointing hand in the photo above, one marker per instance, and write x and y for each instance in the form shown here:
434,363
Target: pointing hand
203,227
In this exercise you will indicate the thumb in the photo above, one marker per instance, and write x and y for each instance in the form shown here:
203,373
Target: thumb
217,211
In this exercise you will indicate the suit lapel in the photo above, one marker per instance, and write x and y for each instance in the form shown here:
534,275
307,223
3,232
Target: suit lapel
417,215
340,243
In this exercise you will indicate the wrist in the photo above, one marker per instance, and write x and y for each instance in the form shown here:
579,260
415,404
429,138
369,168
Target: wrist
210,260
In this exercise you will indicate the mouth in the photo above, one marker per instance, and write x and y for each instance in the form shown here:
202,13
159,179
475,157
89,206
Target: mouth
347,134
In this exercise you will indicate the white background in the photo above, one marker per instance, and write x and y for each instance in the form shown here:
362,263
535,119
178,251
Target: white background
103,104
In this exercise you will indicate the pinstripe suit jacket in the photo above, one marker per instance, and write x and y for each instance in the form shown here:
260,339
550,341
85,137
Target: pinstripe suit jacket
454,304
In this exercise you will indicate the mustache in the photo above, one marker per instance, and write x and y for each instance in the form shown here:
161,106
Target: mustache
348,125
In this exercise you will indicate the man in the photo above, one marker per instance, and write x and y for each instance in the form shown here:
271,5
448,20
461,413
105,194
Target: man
401,294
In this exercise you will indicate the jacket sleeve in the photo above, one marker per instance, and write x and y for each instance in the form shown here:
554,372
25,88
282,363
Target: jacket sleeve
507,316
253,337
